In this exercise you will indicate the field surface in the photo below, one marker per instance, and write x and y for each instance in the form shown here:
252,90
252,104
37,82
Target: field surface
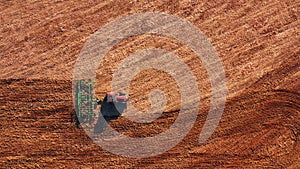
257,42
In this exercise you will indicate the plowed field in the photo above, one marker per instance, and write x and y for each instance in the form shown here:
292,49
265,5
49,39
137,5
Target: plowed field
257,41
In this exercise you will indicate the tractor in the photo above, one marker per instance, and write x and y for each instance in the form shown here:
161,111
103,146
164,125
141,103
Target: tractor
111,107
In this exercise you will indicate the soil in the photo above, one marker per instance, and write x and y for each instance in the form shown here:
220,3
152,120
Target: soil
258,43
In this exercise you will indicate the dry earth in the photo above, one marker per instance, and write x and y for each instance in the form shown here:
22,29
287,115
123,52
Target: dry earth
257,41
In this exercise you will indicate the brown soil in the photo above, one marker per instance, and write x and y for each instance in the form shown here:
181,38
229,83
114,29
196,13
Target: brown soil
258,43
